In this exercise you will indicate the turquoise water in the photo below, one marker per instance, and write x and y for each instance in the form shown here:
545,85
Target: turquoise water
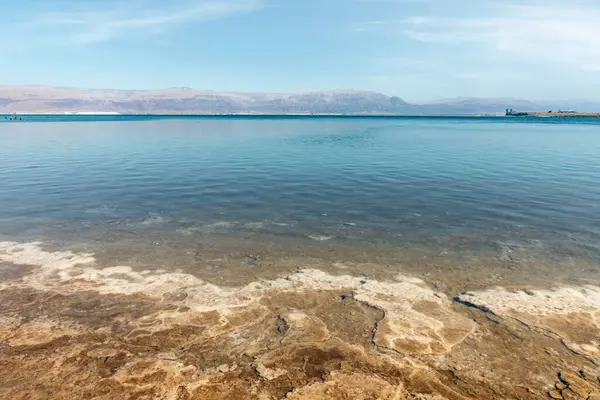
453,185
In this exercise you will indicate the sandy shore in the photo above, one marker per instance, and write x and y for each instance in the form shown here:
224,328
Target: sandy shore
71,327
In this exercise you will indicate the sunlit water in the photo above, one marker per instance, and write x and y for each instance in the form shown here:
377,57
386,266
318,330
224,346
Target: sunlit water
508,190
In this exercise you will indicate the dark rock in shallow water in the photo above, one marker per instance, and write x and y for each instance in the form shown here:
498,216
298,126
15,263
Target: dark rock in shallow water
251,261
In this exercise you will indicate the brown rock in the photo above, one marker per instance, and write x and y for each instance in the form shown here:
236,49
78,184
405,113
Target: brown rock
578,385
560,385
555,394
568,394
182,393
269,373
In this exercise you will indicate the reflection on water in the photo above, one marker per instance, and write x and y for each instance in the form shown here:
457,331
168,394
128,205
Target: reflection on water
220,196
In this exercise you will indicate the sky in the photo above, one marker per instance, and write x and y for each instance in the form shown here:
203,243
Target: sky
419,50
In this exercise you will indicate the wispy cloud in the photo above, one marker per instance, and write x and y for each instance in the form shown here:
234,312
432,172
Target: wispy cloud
550,33
565,33
372,25
90,24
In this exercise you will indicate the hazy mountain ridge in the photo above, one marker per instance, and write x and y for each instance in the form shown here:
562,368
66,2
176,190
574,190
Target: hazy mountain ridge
188,100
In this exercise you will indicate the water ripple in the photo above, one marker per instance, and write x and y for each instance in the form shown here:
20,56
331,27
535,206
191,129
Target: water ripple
379,174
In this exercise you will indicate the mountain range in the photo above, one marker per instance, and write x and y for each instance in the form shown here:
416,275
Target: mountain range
34,99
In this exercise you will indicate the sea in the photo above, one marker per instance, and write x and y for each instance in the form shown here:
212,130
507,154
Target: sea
463,202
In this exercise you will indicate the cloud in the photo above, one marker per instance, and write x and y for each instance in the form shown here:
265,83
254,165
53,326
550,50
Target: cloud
555,33
116,19
371,25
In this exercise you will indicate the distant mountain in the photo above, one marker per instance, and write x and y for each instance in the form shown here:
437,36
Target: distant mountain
185,100
192,101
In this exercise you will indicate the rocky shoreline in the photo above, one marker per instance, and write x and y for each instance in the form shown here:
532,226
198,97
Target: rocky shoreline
72,328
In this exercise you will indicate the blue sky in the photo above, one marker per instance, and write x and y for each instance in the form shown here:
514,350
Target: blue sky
417,49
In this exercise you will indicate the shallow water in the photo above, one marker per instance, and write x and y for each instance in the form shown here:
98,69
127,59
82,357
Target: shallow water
231,198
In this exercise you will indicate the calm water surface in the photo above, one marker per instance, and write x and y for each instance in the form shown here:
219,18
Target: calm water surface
510,191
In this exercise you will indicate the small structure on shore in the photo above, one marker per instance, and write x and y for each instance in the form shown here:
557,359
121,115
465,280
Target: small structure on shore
511,113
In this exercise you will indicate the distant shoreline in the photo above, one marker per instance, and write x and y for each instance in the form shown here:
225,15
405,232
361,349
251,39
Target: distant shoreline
561,115
374,115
